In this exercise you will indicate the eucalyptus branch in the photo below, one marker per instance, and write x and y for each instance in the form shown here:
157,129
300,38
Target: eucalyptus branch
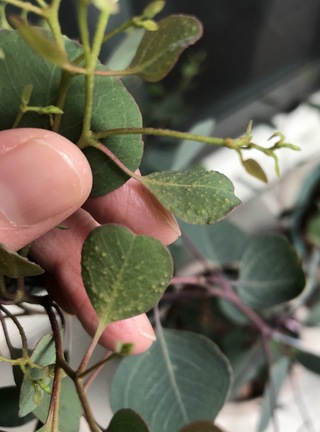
53,413
123,27
28,7
161,132
228,295
65,81
53,21
96,368
86,406
6,333
23,336
94,342
42,4
83,28
91,55
91,63
3,19
238,144
60,359
61,363
117,161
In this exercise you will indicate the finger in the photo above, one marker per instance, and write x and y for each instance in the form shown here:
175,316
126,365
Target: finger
134,206
43,179
59,252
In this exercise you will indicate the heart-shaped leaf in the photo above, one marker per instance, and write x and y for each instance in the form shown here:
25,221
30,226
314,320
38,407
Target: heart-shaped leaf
199,197
270,272
183,377
124,274
126,420
14,265
159,50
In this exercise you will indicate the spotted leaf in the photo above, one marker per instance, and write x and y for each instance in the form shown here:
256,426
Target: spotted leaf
199,197
124,274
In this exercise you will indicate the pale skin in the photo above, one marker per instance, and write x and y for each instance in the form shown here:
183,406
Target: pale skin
45,181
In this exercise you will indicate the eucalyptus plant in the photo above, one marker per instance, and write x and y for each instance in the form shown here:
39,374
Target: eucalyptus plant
184,380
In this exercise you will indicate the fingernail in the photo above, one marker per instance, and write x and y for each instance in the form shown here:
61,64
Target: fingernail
147,329
173,224
37,182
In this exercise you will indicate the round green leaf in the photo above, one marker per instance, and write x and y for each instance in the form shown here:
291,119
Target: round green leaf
222,242
159,50
126,420
124,274
183,378
270,272
199,197
113,106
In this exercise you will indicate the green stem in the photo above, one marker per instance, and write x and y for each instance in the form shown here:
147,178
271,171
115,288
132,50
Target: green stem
13,362
3,19
65,82
86,406
28,7
91,57
83,28
91,348
98,38
165,133
53,21
96,367
53,414
85,39
42,4
118,73
118,162
123,27
18,119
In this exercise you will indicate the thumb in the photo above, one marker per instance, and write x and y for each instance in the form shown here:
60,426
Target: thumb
44,178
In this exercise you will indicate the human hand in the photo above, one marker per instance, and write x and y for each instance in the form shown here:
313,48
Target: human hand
44,180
